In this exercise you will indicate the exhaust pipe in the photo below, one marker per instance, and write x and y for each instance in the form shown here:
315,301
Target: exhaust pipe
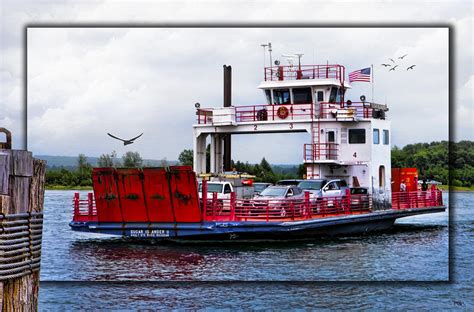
227,103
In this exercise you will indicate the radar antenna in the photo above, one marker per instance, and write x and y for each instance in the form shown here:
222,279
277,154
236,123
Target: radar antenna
292,57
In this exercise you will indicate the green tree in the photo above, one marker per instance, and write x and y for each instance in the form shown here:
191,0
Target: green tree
83,165
186,157
107,160
84,172
266,166
132,159
301,171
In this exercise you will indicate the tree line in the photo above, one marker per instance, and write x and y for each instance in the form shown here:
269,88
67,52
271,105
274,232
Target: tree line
81,175
433,161
450,163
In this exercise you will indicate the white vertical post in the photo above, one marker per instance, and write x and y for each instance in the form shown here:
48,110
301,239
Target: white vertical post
199,153
372,80
213,152
195,154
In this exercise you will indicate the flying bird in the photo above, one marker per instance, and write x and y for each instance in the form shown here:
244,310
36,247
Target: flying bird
411,67
392,60
401,57
393,68
386,65
125,142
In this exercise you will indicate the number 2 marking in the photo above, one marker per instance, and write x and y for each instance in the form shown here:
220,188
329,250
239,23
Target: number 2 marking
254,127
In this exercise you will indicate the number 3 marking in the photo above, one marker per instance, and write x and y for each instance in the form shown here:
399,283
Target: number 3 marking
291,125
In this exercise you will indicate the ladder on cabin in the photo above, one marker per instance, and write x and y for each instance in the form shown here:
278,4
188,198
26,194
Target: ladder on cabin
315,143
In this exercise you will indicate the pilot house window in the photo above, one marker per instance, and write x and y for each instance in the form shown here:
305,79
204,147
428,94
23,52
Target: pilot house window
269,96
281,96
301,95
336,95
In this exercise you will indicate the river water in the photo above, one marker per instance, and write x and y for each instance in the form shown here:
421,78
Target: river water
405,268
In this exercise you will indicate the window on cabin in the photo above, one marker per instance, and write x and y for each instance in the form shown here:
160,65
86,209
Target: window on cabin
333,95
269,96
281,96
320,96
385,137
339,95
376,136
356,136
301,95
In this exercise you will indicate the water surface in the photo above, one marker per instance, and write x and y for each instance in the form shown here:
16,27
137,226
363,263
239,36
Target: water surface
415,250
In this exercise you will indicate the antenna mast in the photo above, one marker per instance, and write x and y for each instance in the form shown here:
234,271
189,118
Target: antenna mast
270,50
264,48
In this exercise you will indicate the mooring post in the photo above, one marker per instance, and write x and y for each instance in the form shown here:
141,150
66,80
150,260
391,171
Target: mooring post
22,181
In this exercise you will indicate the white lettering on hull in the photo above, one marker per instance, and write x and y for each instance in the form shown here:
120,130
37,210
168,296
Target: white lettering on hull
149,233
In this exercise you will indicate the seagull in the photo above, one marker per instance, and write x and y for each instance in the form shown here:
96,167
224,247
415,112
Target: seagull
125,142
393,68
401,57
386,65
411,67
392,60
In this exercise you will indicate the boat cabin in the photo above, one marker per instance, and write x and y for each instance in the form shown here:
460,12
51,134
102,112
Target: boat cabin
348,139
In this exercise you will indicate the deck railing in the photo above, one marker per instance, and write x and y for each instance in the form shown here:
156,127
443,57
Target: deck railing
419,199
266,112
279,210
287,112
84,209
321,151
280,73
355,109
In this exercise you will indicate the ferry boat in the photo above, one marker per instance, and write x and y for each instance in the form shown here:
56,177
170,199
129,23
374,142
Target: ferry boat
348,141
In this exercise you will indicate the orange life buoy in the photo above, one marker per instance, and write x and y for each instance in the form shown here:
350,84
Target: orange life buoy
282,112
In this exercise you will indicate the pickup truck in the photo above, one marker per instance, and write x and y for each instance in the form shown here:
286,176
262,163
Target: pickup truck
223,190
324,188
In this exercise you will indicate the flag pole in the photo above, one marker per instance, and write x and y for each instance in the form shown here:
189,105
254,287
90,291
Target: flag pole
372,72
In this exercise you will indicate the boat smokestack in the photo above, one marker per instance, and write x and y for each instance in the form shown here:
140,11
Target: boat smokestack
227,103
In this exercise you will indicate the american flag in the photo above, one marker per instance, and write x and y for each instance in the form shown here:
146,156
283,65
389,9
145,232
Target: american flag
360,75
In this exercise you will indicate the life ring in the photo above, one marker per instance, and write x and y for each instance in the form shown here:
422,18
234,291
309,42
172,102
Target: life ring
282,112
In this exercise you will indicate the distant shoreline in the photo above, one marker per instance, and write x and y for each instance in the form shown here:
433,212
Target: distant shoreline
455,189
67,188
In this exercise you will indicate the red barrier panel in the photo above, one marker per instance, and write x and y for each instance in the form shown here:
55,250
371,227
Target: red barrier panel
157,195
129,184
184,192
106,195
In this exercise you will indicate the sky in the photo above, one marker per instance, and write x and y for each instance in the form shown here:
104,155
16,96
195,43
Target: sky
85,82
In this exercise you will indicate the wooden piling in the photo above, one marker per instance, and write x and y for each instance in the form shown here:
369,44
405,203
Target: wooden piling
22,180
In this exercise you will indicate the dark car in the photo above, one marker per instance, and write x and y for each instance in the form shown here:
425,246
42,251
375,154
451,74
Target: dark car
277,200
259,187
360,199
289,182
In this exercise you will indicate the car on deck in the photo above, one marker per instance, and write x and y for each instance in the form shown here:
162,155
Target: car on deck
319,188
258,187
279,200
